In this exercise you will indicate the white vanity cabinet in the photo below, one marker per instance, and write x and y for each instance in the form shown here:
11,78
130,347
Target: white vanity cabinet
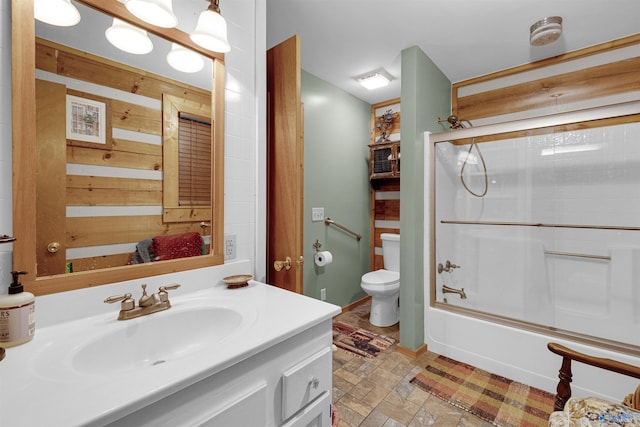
287,384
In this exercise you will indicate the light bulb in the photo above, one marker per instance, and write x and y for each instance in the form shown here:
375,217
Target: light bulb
56,12
128,38
211,32
155,12
185,60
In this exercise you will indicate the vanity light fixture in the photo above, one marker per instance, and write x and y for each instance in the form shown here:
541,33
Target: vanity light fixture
211,30
128,38
374,80
155,12
545,31
185,60
56,12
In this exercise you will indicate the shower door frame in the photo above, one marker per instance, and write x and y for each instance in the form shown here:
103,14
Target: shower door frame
546,121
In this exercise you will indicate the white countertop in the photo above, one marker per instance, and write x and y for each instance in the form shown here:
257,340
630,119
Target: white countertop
34,393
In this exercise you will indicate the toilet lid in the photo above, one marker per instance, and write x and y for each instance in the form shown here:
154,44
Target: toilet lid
381,277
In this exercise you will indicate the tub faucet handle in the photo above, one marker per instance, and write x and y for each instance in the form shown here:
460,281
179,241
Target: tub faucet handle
449,265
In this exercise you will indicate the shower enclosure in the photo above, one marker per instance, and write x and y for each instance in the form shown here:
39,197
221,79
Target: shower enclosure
544,232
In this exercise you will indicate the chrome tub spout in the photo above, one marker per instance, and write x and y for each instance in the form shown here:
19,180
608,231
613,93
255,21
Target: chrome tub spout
448,290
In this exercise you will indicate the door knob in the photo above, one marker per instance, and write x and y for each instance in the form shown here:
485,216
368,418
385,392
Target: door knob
279,265
53,247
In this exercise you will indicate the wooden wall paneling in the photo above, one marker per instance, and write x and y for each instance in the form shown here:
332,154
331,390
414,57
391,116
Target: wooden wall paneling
80,65
386,185
378,262
374,107
106,261
114,158
388,210
579,85
136,118
107,230
107,191
394,128
189,214
554,60
136,147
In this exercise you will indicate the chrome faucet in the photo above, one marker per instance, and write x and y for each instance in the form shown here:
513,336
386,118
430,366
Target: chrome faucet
147,304
448,290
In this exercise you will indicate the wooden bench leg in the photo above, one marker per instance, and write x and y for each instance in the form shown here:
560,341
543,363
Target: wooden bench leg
563,391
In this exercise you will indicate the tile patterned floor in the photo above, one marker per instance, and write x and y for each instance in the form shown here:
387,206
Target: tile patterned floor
377,393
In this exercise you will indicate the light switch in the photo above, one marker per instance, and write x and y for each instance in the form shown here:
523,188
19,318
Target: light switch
317,214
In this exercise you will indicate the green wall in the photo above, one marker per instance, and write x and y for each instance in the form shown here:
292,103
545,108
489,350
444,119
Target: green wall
336,133
425,96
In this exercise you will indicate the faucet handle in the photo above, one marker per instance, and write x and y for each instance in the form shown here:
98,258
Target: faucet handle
116,298
127,302
163,294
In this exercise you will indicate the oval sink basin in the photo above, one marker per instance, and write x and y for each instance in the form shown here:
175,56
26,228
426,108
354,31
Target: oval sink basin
155,339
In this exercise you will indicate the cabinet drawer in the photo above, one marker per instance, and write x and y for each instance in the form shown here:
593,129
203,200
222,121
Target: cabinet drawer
318,414
305,381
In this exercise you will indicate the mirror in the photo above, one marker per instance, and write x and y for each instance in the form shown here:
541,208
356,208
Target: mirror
29,249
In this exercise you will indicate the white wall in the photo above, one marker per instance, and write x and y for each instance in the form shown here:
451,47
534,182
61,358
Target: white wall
245,134
245,130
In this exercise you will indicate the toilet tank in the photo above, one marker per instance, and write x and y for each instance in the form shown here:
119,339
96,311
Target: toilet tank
391,251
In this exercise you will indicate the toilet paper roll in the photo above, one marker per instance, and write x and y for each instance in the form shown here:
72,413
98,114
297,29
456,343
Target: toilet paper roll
323,258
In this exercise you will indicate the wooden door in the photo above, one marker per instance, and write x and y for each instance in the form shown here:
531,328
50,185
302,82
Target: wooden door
51,155
285,166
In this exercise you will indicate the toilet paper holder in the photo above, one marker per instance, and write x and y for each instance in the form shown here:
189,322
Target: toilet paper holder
321,258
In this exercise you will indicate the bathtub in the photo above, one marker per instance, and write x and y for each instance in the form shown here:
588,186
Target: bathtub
518,260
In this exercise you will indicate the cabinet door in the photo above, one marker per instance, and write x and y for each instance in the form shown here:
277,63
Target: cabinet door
384,160
381,161
249,409
317,414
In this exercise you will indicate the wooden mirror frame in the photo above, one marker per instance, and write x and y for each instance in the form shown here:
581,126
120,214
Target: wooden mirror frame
24,159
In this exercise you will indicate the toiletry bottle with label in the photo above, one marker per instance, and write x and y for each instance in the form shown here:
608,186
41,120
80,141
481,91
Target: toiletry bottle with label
17,314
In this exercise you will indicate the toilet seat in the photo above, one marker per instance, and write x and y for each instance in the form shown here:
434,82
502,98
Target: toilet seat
381,281
381,277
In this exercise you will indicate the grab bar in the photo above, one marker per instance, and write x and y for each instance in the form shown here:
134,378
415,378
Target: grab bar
572,254
328,221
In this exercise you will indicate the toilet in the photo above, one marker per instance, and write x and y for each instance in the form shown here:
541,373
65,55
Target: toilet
384,285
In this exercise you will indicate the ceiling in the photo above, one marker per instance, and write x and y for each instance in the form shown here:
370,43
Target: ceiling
342,39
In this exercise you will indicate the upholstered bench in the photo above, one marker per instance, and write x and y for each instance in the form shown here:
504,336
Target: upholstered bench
592,411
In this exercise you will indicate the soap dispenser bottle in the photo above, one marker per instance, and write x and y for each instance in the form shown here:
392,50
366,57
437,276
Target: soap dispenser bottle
17,314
